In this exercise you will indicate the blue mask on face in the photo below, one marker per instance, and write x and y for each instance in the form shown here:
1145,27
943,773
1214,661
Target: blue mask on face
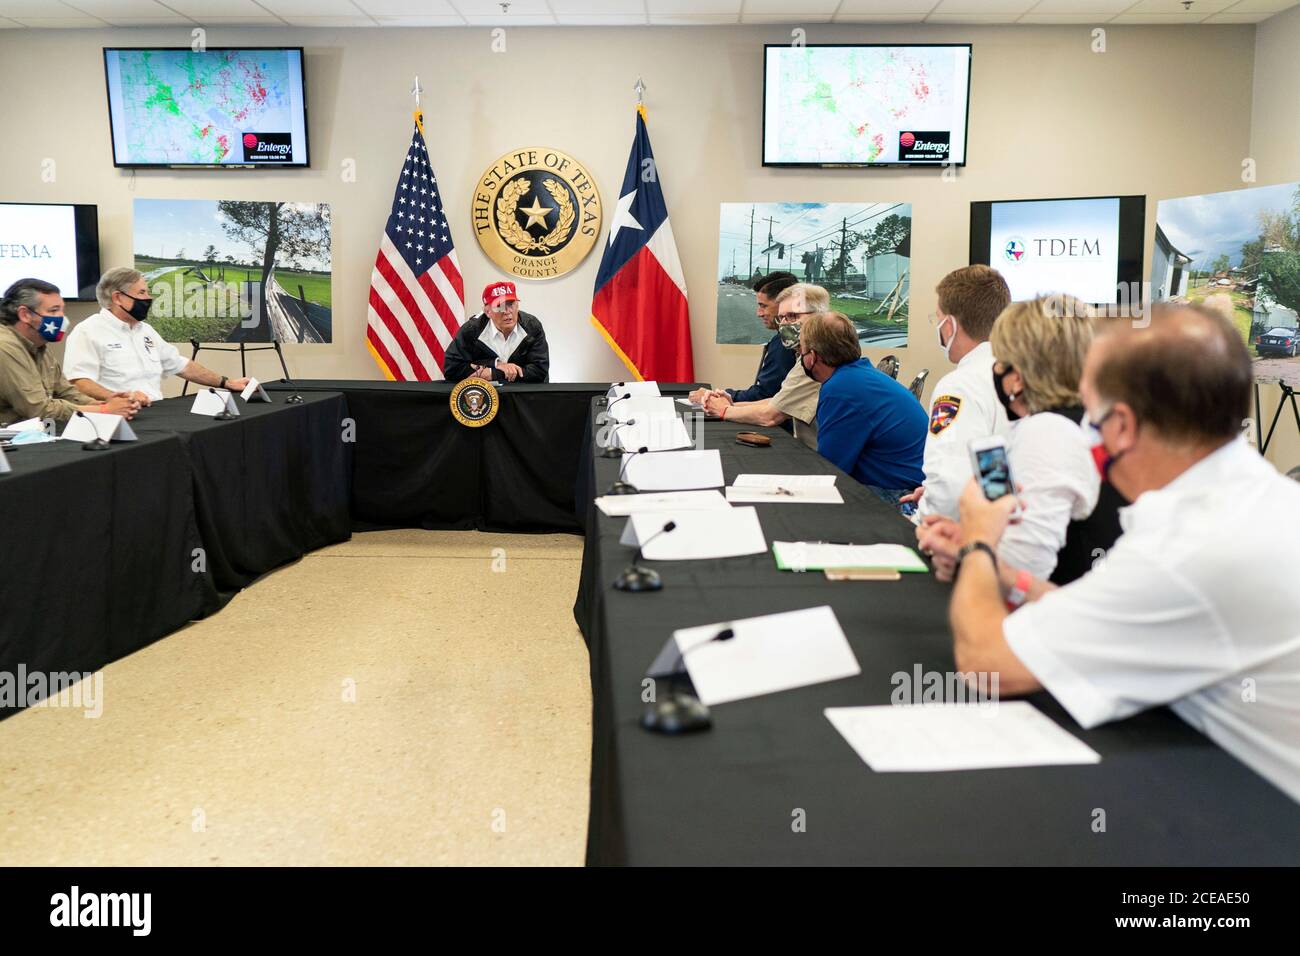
52,327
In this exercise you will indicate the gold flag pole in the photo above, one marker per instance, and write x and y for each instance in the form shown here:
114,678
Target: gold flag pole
416,90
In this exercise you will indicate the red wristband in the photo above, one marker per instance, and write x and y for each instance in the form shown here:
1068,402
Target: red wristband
1020,590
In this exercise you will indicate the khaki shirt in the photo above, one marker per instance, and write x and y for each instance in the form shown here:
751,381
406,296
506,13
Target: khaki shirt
32,384
798,399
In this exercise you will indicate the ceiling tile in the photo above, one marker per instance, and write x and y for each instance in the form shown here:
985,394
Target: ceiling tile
1064,18
214,10
289,9
1199,11
492,8
359,20
789,8
791,18
887,8
1261,6
703,19
1236,17
112,9
409,8
1079,7
600,19
972,18
437,21
879,17
38,8
510,20
599,8
982,7
695,7
60,23
128,23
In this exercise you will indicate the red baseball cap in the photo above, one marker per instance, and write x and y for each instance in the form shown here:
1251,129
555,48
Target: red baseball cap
494,293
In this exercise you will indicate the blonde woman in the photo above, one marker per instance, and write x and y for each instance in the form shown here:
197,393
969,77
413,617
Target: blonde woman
1038,350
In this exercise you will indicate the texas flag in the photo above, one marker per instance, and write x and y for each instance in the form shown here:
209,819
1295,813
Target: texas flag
639,304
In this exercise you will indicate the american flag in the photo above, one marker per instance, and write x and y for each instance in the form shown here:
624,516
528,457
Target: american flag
417,296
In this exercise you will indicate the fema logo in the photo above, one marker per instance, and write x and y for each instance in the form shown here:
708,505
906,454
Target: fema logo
1015,249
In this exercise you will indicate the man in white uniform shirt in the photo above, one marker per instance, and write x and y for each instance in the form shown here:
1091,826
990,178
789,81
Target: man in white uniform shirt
116,351
963,405
1187,609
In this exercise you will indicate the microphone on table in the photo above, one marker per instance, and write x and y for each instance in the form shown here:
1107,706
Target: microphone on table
97,443
612,450
680,710
637,578
621,487
604,399
295,398
225,415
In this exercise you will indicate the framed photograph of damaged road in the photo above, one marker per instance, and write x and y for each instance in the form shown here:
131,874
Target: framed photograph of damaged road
859,252
1239,252
236,271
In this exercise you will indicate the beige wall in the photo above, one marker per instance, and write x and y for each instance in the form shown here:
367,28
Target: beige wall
1164,112
1275,147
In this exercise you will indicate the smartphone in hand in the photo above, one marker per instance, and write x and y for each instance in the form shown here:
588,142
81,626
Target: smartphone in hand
992,466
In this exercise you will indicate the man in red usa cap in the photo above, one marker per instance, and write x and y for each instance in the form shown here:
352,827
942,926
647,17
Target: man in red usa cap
501,343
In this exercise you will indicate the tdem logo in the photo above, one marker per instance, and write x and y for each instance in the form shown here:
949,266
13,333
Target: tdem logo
1014,250
103,909
1017,249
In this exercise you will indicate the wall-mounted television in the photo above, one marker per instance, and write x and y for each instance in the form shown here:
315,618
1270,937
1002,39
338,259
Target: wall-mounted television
225,107
1089,247
57,242
866,105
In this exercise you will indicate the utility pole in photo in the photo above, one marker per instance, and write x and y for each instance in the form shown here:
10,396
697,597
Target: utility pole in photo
750,276
770,221
844,251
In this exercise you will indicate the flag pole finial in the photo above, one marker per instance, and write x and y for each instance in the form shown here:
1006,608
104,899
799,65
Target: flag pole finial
639,89
416,90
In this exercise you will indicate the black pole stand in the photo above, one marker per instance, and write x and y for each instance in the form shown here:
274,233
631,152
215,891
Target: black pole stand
243,351
1288,394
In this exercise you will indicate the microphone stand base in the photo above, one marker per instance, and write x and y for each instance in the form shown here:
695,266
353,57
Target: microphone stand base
637,578
612,451
622,488
294,399
224,417
96,444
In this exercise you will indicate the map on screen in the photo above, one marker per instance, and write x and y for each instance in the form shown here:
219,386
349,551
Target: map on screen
866,105
219,107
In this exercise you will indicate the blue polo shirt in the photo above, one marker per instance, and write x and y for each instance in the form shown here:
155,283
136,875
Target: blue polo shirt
772,369
872,427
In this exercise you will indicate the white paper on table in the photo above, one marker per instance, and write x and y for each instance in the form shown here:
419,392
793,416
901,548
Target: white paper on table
27,425
642,408
657,434
213,401
5,467
620,506
87,426
632,388
694,406
784,481
254,392
674,470
819,556
771,653
698,535
977,736
807,495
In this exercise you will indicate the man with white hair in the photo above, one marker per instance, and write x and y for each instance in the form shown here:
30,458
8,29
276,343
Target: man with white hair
116,350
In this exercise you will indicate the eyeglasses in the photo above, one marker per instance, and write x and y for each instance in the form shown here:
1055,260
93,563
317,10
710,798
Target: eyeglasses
791,316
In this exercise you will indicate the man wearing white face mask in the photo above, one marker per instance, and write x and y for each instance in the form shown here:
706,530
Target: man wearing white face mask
963,405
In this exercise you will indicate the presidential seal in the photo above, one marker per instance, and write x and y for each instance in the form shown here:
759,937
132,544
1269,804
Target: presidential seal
536,212
474,402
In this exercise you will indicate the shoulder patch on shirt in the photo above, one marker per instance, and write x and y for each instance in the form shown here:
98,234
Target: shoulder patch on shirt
944,412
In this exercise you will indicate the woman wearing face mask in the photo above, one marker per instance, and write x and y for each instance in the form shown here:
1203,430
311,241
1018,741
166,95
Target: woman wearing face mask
32,384
1067,522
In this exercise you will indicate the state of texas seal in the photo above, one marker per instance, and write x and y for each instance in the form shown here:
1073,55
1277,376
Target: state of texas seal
536,212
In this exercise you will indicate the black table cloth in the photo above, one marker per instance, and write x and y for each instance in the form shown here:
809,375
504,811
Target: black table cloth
269,486
98,554
730,795
107,551
417,467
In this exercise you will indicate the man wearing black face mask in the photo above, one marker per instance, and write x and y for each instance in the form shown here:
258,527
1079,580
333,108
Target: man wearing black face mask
1178,613
116,350
31,385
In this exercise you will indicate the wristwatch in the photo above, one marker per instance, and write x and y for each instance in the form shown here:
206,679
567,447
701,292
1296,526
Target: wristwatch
977,546
223,382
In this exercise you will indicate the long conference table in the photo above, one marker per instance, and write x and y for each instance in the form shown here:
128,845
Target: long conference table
108,551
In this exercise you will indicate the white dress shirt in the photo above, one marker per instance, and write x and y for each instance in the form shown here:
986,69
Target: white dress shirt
1052,463
1196,606
503,345
963,406
120,357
